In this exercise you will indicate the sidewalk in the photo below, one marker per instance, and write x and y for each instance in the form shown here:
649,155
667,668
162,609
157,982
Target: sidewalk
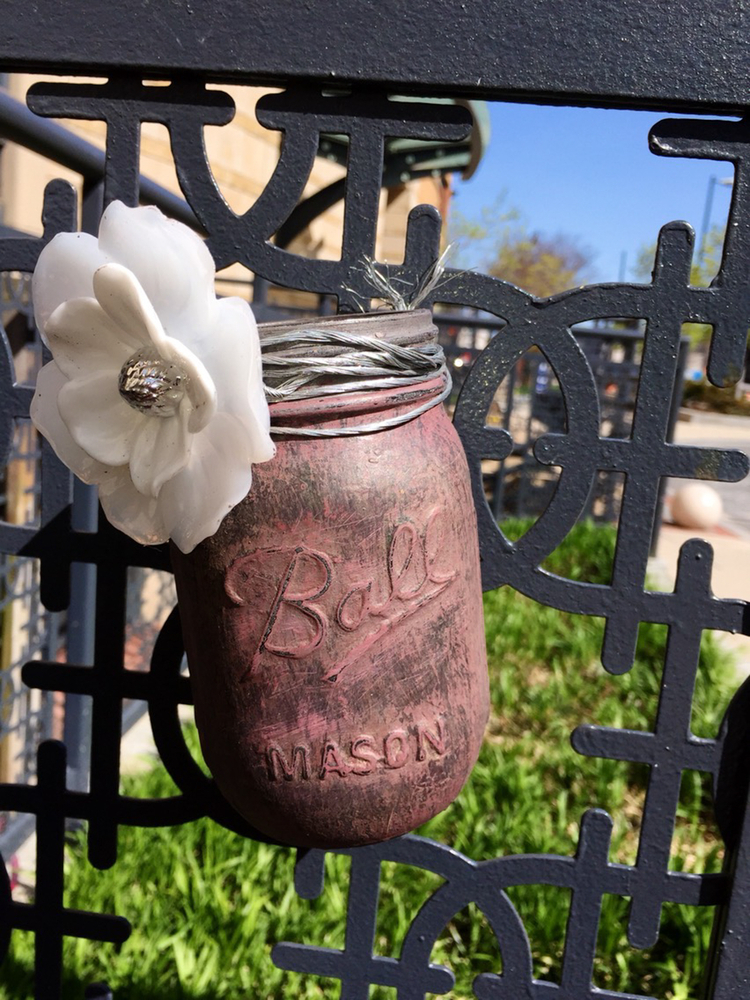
730,577
731,538
717,430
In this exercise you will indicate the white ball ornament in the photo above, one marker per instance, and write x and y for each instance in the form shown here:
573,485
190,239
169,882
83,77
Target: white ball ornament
697,505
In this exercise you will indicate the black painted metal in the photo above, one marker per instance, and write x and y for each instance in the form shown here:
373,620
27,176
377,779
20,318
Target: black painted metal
667,53
600,73
49,139
532,405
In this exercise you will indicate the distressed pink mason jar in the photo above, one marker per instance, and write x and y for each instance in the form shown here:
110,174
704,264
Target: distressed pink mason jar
333,625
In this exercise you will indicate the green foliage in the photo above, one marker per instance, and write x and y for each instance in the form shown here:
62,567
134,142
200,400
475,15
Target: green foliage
540,264
207,906
704,396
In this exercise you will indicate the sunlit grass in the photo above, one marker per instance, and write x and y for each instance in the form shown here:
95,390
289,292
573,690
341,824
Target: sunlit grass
207,906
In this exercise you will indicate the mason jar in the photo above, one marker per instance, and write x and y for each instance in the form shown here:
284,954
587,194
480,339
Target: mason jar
333,625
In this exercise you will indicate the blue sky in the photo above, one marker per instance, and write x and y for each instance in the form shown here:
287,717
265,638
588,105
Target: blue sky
588,173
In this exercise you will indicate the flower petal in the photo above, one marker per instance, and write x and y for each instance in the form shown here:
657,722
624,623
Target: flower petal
233,361
84,340
65,270
122,298
218,475
160,451
201,390
98,418
170,261
130,511
47,420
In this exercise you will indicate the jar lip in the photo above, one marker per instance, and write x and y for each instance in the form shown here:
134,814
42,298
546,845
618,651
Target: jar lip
414,326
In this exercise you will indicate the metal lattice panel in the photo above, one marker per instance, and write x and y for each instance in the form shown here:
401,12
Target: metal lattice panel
582,452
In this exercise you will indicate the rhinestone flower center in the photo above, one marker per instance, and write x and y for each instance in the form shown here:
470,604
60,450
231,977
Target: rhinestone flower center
152,385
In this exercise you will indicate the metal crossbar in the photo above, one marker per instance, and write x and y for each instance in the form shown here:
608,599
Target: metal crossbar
642,458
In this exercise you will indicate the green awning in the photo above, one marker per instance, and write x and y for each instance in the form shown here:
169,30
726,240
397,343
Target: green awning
406,159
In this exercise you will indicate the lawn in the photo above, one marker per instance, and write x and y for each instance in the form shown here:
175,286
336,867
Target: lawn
207,906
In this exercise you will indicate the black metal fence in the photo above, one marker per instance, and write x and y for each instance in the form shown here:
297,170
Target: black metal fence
529,403
573,53
30,632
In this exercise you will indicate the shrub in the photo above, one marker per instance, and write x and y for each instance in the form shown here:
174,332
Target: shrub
704,396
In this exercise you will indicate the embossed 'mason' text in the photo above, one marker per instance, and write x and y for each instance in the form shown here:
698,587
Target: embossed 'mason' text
362,755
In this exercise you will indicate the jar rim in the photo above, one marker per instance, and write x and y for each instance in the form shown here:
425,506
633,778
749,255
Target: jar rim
414,326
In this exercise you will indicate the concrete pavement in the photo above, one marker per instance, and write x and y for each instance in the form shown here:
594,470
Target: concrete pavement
731,538
714,430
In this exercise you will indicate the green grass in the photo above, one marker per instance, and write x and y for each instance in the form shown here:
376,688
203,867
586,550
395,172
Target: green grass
207,906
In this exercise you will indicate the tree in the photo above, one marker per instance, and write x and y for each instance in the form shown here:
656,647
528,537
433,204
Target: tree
542,265
500,243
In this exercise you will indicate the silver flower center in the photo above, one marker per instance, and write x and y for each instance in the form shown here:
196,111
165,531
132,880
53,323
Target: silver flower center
152,385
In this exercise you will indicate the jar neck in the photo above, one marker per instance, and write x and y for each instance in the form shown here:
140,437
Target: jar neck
353,409
404,328
367,371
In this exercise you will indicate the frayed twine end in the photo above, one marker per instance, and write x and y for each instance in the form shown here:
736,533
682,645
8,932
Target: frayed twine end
412,297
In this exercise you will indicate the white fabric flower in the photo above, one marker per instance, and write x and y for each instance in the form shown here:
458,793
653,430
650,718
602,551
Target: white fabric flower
155,393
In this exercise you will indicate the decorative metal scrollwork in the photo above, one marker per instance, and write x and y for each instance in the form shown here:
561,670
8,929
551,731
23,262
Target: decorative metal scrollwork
646,457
